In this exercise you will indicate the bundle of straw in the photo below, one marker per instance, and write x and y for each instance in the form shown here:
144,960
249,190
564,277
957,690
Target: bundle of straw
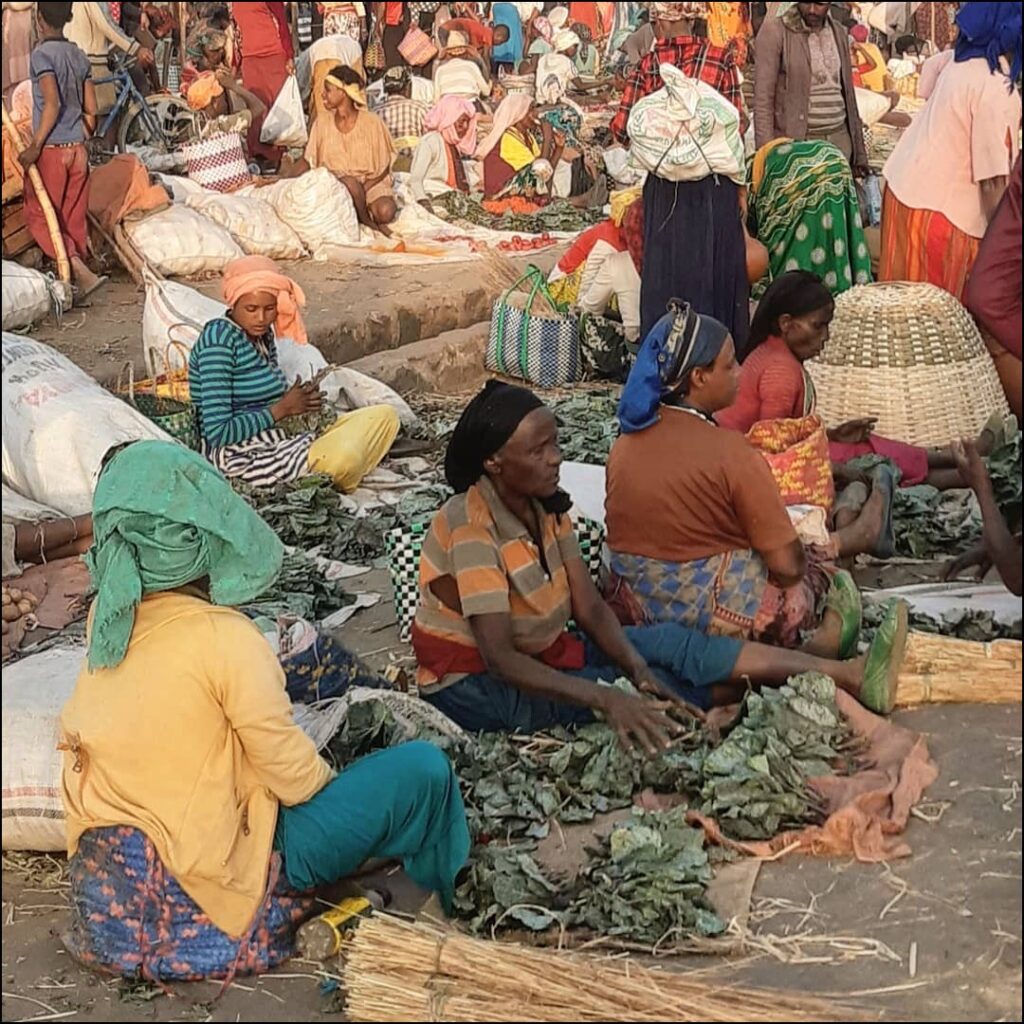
396,971
943,670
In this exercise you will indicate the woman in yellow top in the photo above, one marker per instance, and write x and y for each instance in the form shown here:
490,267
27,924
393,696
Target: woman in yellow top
520,151
356,147
197,810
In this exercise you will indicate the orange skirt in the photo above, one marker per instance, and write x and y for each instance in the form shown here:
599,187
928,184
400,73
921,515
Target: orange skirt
922,245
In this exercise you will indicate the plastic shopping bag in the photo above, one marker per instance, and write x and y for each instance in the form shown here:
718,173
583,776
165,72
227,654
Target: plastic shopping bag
285,123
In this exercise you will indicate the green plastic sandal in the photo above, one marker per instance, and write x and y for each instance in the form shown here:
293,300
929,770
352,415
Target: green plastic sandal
844,599
882,671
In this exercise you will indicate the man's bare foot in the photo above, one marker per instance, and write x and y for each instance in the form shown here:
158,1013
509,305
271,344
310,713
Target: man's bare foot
86,282
864,533
827,638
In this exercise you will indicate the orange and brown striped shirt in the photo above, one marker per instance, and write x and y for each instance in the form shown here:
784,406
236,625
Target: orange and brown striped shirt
496,565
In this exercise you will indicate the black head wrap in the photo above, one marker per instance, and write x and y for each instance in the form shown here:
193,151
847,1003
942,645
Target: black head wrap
486,425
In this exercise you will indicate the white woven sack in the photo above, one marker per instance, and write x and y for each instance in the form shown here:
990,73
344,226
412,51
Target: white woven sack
180,242
58,425
686,131
18,508
317,207
35,690
28,296
173,317
285,123
252,223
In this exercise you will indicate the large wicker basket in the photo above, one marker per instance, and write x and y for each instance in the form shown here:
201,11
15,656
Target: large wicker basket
911,355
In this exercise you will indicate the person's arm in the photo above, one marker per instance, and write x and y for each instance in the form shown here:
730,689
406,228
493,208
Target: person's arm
89,107
768,51
248,681
619,126
52,539
48,117
992,190
231,84
105,26
1002,547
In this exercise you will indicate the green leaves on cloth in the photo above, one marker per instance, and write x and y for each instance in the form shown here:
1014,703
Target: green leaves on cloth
755,781
962,623
588,424
309,514
556,216
163,517
300,589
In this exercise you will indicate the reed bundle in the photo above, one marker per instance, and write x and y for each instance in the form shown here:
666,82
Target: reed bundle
943,670
396,971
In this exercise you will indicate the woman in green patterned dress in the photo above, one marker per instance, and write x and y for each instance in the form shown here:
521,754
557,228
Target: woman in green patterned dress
802,205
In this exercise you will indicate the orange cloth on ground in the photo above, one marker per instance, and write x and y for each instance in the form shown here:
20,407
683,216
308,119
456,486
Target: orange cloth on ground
868,811
122,187
685,489
261,274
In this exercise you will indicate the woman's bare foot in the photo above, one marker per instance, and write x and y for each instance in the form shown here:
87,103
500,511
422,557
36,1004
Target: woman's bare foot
86,282
827,638
864,533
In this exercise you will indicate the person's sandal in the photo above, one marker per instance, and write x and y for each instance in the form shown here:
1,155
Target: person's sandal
844,599
885,657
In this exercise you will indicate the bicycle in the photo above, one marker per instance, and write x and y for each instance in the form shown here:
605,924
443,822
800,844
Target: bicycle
162,121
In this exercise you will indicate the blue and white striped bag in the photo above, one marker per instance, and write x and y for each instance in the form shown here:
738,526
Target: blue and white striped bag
543,347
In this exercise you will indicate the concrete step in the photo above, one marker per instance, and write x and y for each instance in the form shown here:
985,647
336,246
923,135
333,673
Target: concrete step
449,363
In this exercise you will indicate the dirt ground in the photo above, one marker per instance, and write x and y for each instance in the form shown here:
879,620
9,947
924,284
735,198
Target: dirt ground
935,937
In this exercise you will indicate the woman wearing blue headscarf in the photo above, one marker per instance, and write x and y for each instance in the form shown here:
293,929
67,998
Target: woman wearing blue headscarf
698,530
948,173
509,53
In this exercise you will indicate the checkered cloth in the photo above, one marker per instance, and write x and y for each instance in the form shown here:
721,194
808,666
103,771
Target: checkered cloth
714,65
403,118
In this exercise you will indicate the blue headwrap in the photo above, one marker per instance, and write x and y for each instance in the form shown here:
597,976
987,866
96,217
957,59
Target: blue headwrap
989,30
679,342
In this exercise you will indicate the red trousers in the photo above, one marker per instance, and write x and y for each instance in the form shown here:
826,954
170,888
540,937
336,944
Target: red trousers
265,77
65,174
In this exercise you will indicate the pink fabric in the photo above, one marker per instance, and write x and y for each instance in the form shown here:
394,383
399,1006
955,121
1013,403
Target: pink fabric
912,462
966,134
443,117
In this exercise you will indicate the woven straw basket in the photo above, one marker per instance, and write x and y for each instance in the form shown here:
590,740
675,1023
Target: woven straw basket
911,355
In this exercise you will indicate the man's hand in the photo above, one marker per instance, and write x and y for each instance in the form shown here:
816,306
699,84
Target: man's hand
647,682
977,559
971,465
29,155
226,79
638,722
854,432
861,169
145,57
290,67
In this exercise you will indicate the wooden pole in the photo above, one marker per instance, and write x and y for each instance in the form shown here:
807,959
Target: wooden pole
59,249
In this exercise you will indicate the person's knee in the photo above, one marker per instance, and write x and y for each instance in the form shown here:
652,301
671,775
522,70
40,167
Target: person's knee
384,210
433,769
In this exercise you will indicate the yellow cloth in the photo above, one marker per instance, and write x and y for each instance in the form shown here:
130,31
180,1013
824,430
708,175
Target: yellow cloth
191,740
874,79
355,445
621,201
516,152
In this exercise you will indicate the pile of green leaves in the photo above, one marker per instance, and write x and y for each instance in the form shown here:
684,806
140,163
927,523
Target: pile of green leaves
935,524
301,590
514,786
308,514
555,216
587,425
756,780
1004,468
974,624
648,881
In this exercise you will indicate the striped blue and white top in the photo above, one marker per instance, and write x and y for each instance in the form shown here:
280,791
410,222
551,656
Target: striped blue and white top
233,382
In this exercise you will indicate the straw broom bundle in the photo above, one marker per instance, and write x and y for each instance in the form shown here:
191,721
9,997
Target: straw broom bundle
943,670
395,971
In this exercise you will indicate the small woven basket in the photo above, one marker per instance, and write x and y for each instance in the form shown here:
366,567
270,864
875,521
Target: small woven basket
911,355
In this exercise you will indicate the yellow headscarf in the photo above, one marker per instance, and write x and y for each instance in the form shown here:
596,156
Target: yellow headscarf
356,93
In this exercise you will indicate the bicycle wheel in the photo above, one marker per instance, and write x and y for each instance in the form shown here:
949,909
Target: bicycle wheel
171,113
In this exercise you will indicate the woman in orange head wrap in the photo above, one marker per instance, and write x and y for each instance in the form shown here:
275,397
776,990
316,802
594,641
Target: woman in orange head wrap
242,397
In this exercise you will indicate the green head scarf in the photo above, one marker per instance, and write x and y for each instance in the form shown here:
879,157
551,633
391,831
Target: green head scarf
163,517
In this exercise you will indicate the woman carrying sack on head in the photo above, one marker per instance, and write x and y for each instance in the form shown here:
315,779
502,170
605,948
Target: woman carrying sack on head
241,396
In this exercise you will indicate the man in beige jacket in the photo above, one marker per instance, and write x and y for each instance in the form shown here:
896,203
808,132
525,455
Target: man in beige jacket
804,82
